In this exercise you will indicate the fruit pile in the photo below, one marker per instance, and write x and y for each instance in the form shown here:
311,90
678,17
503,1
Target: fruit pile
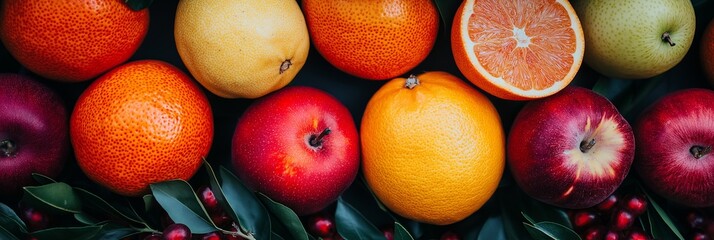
407,119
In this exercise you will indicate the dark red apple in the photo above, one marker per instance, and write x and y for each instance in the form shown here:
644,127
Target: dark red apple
33,132
675,137
572,149
299,146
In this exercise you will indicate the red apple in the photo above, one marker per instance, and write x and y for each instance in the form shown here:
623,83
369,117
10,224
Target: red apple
675,137
572,149
33,132
299,146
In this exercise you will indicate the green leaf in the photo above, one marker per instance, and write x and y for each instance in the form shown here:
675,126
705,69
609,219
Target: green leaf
52,197
352,225
5,234
42,179
401,233
492,229
661,224
137,5
93,203
550,231
86,219
75,233
183,206
10,221
240,203
286,216
275,236
113,231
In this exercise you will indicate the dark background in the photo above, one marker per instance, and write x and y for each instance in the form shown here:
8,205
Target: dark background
354,93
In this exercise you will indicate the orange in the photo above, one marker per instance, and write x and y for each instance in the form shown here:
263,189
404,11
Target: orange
71,40
706,54
435,152
141,123
241,49
518,50
376,39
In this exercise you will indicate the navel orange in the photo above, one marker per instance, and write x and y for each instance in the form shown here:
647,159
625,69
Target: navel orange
374,39
141,123
518,50
433,147
71,40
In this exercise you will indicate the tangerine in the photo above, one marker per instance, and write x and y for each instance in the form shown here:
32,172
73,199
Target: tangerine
433,147
141,123
376,39
518,50
71,41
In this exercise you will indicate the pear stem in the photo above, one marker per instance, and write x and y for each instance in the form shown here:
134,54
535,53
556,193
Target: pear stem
412,81
585,146
7,148
699,151
316,141
668,39
285,66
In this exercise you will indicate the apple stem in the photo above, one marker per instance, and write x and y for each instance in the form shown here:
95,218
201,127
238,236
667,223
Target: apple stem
316,141
285,66
667,38
585,146
412,81
699,151
7,148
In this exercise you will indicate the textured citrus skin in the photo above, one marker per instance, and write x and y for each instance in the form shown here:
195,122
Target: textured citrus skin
488,51
71,41
142,122
236,48
707,51
376,39
434,153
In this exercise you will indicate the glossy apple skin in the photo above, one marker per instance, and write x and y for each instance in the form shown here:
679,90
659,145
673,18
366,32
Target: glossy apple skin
34,118
544,152
665,133
272,154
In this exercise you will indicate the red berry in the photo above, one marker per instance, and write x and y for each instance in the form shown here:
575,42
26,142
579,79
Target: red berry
699,236
695,219
594,233
450,235
606,205
321,225
621,220
212,236
388,231
153,236
635,204
585,218
209,199
177,231
637,235
35,220
610,235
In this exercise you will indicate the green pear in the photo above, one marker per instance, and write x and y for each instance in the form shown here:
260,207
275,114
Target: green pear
635,39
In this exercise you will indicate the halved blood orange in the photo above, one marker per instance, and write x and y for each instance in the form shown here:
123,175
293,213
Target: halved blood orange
520,49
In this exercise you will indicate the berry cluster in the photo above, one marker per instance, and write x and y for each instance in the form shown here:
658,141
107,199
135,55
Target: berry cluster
612,219
701,224
177,231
